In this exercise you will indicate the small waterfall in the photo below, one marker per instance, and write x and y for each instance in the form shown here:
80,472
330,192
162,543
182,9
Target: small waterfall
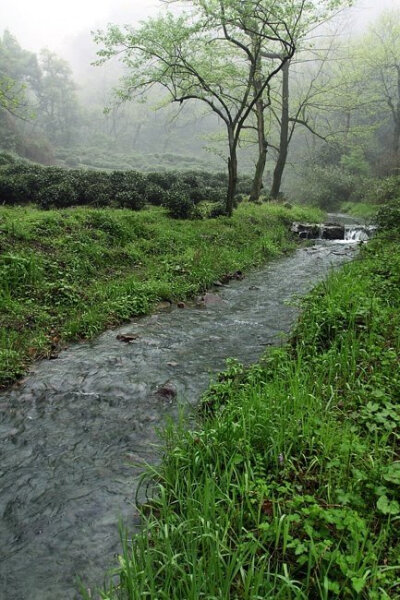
359,233
334,231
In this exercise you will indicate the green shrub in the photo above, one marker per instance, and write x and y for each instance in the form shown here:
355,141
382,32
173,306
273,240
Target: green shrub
164,180
20,183
244,185
6,158
130,199
11,191
59,195
197,194
217,195
388,217
179,204
93,188
329,186
156,195
382,191
11,366
23,183
218,210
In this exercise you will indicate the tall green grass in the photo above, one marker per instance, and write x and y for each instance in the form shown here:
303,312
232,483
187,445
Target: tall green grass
69,274
289,488
362,210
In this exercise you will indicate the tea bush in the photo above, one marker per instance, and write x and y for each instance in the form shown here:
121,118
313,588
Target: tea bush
55,187
179,204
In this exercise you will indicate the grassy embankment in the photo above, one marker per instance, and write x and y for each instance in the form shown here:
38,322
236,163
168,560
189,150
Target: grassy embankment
67,275
290,487
363,210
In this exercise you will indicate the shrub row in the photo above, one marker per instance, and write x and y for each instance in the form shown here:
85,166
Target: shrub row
54,187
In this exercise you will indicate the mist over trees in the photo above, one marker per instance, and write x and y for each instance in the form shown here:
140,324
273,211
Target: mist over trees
274,90
212,56
356,111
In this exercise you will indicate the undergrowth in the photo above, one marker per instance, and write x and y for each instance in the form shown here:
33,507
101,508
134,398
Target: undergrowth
289,488
360,209
69,274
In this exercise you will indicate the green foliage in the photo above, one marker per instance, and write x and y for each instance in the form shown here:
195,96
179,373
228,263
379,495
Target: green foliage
179,204
383,190
156,195
18,71
12,96
388,217
6,158
11,366
60,195
289,488
58,112
55,187
360,209
333,179
35,90
70,273
355,162
329,186
379,201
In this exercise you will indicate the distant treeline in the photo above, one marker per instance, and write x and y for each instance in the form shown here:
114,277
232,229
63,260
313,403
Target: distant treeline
54,187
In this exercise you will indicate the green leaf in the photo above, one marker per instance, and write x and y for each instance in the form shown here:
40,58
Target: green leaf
358,583
237,459
300,549
331,586
388,507
393,473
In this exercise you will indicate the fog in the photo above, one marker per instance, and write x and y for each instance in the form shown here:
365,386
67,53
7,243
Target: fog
136,135
56,25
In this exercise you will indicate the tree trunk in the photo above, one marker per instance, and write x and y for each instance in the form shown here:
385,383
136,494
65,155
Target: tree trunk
262,152
136,134
284,135
396,132
396,138
262,143
232,174
258,176
347,126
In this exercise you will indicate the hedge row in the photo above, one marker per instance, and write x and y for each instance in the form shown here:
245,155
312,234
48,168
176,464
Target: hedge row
54,187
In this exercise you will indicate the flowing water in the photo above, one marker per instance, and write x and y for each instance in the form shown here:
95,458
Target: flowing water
73,434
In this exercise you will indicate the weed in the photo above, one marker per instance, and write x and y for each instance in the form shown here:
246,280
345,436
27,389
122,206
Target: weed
67,275
289,487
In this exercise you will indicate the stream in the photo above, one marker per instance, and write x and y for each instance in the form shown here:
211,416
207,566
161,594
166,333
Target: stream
73,434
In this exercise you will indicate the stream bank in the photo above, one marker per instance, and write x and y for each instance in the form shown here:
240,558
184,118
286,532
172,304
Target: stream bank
68,275
288,488
74,431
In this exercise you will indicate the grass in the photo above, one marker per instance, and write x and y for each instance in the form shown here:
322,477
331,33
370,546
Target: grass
94,157
360,209
289,488
68,275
